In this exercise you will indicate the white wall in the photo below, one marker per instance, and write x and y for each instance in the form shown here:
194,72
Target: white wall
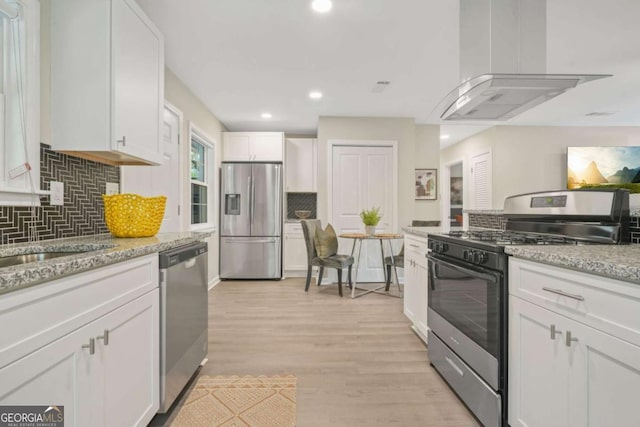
195,112
418,146
427,156
528,158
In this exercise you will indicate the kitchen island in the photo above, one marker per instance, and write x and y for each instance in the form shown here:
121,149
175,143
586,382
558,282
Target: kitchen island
614,261
574,334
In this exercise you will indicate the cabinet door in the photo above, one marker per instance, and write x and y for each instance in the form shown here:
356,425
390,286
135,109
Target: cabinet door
131,364
421,296
410,285
61,373
266,147
295,251
300,154
236,147
538,367
605,376
138,79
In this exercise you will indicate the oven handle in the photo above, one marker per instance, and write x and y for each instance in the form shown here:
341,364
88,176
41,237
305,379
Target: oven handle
493,278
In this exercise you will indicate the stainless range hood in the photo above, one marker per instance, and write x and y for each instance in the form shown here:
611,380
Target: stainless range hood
503,62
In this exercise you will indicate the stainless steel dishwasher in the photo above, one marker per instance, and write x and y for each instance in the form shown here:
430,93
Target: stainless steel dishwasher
183,318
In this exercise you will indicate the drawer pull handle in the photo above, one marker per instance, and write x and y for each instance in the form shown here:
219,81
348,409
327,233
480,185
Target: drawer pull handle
104,337
414,246
564,294
454,366
91,346
569,339
553,332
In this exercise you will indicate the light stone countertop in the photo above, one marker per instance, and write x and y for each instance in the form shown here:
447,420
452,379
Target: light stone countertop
103,249
423,231
615,261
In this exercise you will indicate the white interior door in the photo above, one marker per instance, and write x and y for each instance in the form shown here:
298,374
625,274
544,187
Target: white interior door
162,180
363,178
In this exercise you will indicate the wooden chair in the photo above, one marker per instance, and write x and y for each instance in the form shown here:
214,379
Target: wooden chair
339,262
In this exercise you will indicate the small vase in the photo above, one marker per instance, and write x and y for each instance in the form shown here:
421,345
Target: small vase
370,230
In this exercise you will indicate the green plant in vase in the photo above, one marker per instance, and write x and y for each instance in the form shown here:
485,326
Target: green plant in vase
370,218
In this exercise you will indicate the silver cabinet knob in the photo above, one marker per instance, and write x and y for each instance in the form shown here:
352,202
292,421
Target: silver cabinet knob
105,337
91,346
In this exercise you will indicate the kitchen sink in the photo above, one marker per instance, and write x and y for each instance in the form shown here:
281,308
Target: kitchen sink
9,261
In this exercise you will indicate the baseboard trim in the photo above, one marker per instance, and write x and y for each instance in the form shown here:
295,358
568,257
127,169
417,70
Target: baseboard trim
213,282
420,335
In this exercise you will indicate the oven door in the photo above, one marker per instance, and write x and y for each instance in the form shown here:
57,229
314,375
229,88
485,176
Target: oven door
465,313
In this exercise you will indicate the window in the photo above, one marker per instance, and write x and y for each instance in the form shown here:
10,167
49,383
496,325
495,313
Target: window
19,102
202,174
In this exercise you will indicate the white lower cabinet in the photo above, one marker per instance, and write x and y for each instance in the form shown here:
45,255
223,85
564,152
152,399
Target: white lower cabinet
295,250
415,283
563,372
104,372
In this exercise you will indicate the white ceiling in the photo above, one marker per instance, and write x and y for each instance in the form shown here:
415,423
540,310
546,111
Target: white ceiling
246,57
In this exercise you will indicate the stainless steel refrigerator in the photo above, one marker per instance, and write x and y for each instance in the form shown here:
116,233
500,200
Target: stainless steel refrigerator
251,221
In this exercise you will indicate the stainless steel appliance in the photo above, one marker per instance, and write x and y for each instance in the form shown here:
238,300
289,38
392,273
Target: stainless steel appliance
183,318
467,312
251,220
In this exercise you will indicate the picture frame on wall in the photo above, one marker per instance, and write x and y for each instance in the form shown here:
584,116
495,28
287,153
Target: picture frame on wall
426,184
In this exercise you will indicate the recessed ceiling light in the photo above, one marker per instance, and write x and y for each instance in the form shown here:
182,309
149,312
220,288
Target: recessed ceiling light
266,115
315,94
321,6
444,136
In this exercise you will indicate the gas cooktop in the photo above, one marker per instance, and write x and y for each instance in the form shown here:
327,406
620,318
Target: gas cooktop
506,237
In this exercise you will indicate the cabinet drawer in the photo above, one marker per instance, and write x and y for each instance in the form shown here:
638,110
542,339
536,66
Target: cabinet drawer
293,228
417,247
46,312
606,304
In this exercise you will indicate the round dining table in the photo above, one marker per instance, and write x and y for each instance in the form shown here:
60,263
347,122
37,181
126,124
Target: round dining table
356,251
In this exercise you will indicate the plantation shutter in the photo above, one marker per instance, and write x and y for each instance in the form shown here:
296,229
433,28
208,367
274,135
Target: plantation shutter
481,180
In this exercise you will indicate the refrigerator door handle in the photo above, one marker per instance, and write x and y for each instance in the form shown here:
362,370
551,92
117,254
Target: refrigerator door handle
278,204
250,240
253,200
249,202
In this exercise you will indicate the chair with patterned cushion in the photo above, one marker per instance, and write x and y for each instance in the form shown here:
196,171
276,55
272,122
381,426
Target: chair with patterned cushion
312,230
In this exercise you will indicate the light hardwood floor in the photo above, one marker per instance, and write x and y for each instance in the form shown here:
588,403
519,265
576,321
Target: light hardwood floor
358,363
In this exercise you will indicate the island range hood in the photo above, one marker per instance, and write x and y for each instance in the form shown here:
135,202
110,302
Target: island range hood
503,62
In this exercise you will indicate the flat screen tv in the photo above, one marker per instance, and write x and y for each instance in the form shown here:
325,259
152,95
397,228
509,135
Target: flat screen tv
603,166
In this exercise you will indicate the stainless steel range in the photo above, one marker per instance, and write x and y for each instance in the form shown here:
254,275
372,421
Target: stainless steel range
467,313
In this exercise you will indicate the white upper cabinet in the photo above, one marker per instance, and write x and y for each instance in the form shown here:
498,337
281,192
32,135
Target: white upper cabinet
253,146
107,82
301,165
20,103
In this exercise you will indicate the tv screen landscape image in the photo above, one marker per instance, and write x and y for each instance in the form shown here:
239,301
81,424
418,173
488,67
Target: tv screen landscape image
602,166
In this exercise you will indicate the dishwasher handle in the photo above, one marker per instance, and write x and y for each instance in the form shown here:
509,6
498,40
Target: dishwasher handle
181,254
